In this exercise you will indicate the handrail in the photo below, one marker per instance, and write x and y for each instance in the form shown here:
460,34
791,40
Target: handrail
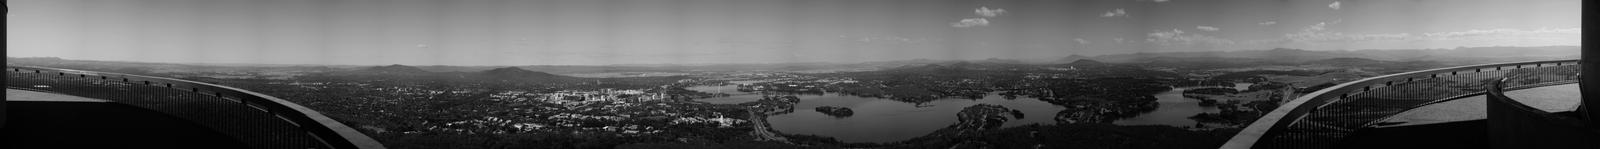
321,127
1295,110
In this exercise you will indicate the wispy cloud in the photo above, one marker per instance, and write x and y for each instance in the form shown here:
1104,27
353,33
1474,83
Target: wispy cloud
1207,28
1335,5
971,22
1115,13
986,12
1158,1
1319,33
876,39
1502,32
982,20
1081,41
1177,37
1267,23
1314,32
1322,34
1166,34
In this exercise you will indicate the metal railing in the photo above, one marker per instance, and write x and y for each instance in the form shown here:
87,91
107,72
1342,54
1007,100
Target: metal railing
1322,118
1513,124
258,120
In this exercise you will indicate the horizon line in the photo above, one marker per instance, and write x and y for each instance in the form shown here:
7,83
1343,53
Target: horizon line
758,63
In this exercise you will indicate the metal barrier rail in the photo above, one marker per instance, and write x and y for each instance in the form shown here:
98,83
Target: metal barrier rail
256,119
1321,118
1515,125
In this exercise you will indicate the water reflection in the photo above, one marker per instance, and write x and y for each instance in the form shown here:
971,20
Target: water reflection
883,120
1175,109
880,120
735,97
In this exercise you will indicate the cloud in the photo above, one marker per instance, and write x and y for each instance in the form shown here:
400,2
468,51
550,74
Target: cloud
1335,5
1119,40
987,13
1207,28
1158,1
1115,13
422,45
1318,33
1267,23
1164,34
971,22
1510,37
983,14
1177,37
1314,32
1322,33
1502,33
890,39
1081,41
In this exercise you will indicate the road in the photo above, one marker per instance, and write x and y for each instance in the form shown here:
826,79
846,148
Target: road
761,129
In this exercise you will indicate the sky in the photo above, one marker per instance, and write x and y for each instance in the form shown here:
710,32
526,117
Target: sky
602,32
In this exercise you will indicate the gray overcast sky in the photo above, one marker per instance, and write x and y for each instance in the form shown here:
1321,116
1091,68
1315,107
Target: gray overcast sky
593,32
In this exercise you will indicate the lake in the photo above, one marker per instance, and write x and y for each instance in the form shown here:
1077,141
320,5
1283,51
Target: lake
1175,109
736,98
883,120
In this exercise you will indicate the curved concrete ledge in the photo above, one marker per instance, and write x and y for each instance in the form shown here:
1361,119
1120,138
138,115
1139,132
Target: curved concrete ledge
1514,124
331,132
1295,110
27,95
75,124
1554,99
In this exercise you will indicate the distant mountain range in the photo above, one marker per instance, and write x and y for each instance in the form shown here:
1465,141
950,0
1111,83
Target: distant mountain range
1283,55
514,73
412,72
1086,63
1072,58
394,69
1217,59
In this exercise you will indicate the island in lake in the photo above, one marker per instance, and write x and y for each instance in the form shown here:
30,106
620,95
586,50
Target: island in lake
836,111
